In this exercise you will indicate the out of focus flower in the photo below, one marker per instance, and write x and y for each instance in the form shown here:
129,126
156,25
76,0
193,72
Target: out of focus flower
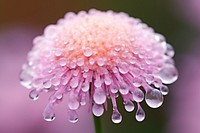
184,116
190,10
18,114
95,56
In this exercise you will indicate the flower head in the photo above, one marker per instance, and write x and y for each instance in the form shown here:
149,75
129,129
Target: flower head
99,55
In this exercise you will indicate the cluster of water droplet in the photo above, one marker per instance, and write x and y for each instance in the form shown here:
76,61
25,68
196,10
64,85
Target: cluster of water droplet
96,56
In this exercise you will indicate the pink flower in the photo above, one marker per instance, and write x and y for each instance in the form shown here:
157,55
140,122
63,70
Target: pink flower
95,56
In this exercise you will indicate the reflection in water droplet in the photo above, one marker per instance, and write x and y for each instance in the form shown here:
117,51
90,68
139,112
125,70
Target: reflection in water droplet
154,98
99,96
164,90
48,113
34,94
168,74
25,78
72,116
116,116
97,109
140,114
138,95
170,50
129,106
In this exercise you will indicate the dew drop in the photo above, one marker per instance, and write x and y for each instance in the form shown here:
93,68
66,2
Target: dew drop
34,94
72,116
99,96
73,104
123,68
80,62
116,116
123,89
140,114
97,83
85,87
48,113
138,95
97,109
170,51
168,74
154,98
164,90
47,84
87,52
25,79
129,106
100,61
114,89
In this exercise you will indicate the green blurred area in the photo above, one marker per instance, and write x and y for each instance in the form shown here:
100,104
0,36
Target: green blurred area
158,14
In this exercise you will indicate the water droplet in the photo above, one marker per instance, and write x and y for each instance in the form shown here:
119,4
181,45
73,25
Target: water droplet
99,96
55,81
140,114
114,89
154,98
97,109
74,82
168,74
48,113
80,61
170,50
34,94
87,52
123,89
100,61
164,90
97,83
149,79
47,84
116,116
138,95
129,106
73,104
25,78
85,87
72,116
123,68
63,62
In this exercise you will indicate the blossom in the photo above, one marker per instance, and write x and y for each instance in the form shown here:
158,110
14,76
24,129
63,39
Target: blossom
95,56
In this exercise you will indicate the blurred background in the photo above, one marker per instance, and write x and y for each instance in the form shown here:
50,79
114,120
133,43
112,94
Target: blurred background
177,20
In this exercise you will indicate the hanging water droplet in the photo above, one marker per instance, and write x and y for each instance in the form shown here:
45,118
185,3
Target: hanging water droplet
140,114
116,116
168,74
138,95
99,96
97,109
170,50
72,116
113,89
164,90
48,113
34,94
129,106
73,104
123,89
154,98
85,87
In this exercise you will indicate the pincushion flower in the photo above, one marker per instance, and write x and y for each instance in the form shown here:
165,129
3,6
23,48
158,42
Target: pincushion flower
95,56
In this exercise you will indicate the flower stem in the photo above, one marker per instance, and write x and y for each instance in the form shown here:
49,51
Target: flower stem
97,124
